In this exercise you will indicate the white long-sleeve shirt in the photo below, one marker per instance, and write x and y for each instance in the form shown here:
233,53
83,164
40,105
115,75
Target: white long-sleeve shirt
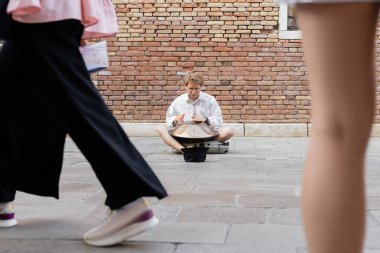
205,106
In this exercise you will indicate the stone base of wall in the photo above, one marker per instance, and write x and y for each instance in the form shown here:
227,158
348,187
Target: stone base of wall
241,129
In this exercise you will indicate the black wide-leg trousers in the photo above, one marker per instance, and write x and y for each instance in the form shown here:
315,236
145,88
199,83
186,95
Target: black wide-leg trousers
48,54
31,138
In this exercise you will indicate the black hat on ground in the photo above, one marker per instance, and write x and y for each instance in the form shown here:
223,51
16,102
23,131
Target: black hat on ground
194,154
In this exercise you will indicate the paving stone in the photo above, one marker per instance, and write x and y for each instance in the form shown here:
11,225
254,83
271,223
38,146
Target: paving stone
373,203
291,180
372,220
373,169
95,198
229,168
267,234
283,216
372,180
46,228
7,245
268,201
179,232
70,160
172,188
256,189
230,248
294,217
233,180
372,237
234,215
165,213
372,191
304,250
178,180
246,200
199,200
43,212
375,215
70,246
372,251
67,199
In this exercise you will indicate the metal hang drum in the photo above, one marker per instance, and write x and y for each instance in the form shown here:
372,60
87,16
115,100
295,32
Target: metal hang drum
192,132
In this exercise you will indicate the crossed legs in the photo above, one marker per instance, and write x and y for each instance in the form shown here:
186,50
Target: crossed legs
338,43
225,133
167,138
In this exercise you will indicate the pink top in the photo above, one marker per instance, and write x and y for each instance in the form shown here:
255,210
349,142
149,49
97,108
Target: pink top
98,16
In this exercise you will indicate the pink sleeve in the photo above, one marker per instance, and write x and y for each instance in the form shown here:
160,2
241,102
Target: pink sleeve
99,18
24,7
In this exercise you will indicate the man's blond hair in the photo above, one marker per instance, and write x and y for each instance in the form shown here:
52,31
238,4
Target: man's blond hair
194,78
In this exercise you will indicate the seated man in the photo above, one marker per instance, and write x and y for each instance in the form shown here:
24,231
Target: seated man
195,106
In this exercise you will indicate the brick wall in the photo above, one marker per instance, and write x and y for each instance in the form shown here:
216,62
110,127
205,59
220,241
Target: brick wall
255,76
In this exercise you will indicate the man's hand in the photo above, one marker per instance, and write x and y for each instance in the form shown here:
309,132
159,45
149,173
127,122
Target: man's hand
198,119
178,119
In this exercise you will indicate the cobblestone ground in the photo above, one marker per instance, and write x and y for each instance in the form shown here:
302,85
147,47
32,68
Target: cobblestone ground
244,201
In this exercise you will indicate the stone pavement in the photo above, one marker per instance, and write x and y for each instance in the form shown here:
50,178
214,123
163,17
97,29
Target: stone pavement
244,201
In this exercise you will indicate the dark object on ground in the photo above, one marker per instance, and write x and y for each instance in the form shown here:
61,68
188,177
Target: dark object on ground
195,154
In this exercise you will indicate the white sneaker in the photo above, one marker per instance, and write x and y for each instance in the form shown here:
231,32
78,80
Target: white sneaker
130,220
7,215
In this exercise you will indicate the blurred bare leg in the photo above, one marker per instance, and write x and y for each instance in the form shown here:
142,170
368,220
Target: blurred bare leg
338,43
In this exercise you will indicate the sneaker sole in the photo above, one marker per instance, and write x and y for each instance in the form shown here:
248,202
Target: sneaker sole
8,223
125,233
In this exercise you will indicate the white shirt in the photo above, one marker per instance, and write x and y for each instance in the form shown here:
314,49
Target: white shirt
205,106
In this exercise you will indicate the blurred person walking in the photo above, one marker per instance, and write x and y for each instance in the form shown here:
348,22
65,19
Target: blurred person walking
47,93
